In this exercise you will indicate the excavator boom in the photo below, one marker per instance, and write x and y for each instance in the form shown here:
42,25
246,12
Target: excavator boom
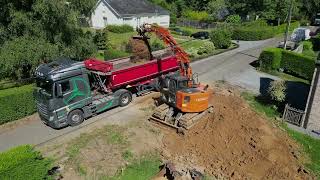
184,101
165,35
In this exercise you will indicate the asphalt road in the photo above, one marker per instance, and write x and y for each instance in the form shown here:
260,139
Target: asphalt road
233,67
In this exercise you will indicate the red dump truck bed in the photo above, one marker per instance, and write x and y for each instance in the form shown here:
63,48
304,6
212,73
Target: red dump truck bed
122,72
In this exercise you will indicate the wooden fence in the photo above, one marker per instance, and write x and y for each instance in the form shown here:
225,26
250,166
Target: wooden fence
293,116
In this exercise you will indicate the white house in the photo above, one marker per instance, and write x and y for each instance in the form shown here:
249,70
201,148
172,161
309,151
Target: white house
131,12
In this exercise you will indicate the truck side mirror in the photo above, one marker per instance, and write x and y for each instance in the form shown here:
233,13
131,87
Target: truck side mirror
59,91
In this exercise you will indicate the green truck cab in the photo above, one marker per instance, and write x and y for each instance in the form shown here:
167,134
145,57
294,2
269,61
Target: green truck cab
66,94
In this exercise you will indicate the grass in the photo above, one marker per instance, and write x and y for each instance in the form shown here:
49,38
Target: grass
144,168
138,168
16,90
112,135
267,110
288,77
310,145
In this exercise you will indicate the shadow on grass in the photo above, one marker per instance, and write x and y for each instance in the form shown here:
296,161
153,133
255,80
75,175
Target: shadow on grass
296,94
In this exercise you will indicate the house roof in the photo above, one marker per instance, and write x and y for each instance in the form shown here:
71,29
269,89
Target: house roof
128,8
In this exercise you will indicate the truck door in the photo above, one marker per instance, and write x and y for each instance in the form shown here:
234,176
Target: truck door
75,94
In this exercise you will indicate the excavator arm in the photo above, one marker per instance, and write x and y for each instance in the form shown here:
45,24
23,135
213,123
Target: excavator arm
165,35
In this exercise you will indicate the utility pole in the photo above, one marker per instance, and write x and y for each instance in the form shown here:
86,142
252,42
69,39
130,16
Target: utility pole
288,26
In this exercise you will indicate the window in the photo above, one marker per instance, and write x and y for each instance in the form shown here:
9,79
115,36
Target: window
105,21
65,86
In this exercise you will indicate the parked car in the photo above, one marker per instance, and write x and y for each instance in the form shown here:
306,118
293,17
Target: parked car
201,35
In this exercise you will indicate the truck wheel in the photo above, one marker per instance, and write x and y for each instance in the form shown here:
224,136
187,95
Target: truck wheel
125,99
75,118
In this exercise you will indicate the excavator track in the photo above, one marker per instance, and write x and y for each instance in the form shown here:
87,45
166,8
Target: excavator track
177,120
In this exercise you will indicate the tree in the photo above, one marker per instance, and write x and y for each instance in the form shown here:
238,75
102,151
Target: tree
277,91
84,7
215,7
32,30
28,54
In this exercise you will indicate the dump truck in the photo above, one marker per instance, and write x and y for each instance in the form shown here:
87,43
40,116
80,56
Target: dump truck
68,92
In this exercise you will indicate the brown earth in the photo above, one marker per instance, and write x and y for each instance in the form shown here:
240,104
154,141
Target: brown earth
237,143
140,51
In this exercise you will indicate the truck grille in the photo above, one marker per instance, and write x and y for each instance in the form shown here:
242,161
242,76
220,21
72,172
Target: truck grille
43,110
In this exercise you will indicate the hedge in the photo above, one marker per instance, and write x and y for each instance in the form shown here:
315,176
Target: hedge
120,28
24,162
270,59
298,64
16,103
251,33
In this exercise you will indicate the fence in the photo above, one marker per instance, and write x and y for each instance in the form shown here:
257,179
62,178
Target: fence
293,116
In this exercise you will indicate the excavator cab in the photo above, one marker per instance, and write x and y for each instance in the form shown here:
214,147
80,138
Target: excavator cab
185,95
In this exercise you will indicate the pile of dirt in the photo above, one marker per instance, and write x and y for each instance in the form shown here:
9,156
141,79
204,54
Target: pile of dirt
235,142
140,52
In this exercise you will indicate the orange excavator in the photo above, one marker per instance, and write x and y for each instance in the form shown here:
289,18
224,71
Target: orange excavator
184,100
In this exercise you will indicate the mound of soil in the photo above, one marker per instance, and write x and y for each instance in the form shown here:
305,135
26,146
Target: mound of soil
235,142
140,52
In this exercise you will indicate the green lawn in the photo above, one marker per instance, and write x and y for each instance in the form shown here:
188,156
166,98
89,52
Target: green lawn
16,90
310,145
288,77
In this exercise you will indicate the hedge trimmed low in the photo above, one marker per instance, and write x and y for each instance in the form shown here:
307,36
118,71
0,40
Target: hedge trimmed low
254,33
16,103
22,163
120,28
270,59
298,64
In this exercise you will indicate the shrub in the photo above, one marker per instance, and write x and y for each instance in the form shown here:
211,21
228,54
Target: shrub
282,28
16,103
305,22
120,28
221,38
114,54
298,64
316,43
101,39
234,19
307,45
156,45
24,163
206,48
277,90
193,52
270,59
257,23
195,15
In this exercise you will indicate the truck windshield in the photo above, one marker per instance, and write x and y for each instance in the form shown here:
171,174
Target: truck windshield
46,86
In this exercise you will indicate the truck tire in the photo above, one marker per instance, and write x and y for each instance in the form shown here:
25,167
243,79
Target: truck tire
125,99
75,117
